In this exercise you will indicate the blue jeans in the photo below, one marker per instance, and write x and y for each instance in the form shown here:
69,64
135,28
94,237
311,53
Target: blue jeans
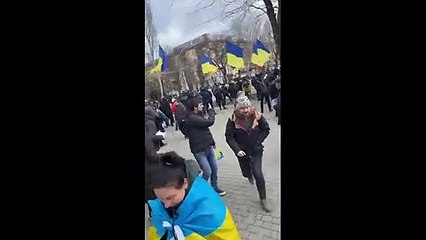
208,163
164,118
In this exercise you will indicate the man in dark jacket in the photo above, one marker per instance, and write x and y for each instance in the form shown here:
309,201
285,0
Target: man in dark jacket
219,98
264,95
245,132
207,99
165,108
233,91
201,142
256,84
181,117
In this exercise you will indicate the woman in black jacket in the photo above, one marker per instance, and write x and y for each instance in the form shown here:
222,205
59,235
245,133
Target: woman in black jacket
245,132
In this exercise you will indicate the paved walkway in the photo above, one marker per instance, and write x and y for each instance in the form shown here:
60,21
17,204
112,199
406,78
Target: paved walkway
242,198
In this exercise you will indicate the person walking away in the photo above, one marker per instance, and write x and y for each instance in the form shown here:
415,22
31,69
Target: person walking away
245,132
274,91
233,92
219,98
256,84
165,108
225,93
239,84
206,99
201,142
181,117
187,207
264,96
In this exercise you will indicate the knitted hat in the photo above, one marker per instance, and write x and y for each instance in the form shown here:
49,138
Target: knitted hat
240,94
242,102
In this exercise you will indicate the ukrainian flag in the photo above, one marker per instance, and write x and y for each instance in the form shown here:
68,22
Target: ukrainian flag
207,66
234,55
162,62
202,216
254,56
261,54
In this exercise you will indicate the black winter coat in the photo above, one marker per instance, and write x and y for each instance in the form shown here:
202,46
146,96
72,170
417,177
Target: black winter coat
248,140
273,90
180,113
206,96
233,91
165,108
198,132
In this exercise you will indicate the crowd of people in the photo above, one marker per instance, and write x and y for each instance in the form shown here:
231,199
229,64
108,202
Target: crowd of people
174,184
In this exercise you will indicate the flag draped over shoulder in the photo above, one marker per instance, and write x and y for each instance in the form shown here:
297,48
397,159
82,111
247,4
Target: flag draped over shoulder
207,66
162,62
261,54
202,216
234,55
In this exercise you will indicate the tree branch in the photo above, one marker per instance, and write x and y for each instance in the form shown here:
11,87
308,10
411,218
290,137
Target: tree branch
206,6
259,8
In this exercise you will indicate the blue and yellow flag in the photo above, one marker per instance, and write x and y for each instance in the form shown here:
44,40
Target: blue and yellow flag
261,54
207,66
202,216
234,55
254,56
162,62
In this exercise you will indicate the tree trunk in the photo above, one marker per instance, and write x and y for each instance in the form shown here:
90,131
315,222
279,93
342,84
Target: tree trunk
274,23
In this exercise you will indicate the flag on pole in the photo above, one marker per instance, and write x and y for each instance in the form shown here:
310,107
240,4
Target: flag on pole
207,65
234,55
261,54
162,62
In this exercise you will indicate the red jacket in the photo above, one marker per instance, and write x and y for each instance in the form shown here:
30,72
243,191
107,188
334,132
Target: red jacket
173,107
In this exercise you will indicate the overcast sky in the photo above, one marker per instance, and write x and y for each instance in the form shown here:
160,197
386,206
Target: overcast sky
176,21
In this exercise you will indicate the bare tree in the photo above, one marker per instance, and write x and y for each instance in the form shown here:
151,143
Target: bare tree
246,29
239,9
150,33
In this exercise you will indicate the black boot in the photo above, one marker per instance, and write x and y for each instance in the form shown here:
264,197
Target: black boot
265,205
251,180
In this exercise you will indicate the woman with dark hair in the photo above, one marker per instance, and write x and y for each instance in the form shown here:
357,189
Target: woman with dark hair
187,207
